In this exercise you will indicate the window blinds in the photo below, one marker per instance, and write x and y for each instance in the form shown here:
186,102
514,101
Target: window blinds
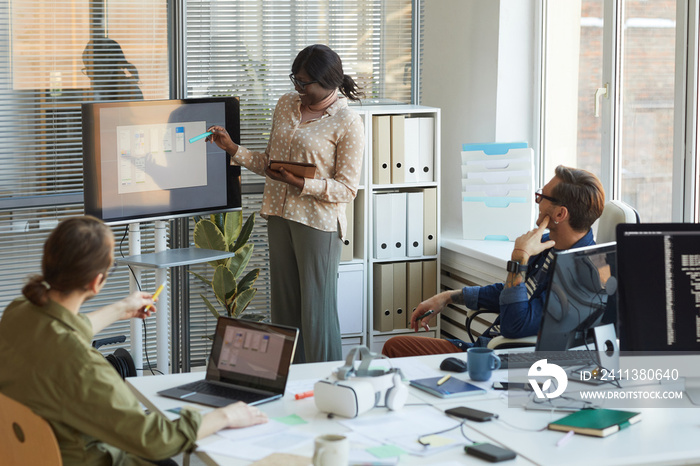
55,55
232,47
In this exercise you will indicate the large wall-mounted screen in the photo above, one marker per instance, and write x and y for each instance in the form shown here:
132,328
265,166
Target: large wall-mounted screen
142,160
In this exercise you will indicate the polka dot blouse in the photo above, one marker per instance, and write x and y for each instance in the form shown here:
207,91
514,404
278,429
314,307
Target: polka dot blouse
334,142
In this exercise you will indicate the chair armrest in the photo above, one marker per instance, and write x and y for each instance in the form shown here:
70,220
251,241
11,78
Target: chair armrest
471,315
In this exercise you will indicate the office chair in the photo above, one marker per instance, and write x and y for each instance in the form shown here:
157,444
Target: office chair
497,341
26,437
614,212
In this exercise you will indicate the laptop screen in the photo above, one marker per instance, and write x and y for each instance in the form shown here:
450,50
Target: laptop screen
579,296
659,277
252,354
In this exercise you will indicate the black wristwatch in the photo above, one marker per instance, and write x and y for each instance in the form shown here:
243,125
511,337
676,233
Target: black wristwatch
516,267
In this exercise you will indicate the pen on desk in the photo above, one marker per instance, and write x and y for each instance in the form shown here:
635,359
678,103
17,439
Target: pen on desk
443,380
201,136
565,439
155,296
429,313
301,396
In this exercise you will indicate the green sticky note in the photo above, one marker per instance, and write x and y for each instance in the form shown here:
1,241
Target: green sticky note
386,451
291,420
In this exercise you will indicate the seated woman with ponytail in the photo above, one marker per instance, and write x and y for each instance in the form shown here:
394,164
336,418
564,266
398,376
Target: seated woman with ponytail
49,365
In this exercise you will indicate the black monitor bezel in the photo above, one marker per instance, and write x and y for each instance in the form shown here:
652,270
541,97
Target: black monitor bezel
92,190
543,341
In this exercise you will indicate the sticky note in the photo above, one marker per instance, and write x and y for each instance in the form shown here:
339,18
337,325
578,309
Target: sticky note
436,440
291,420
386,451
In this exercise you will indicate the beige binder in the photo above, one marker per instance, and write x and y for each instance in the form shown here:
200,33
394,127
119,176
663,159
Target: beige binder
347,251
381,149
383,297
430,222
398,165
430,284
399,295
414,287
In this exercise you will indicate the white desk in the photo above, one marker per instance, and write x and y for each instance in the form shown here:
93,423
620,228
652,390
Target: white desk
664,436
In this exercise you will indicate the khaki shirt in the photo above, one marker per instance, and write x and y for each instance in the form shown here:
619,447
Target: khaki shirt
49,365
335,143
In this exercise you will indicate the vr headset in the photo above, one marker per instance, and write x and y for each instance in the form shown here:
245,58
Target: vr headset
350,392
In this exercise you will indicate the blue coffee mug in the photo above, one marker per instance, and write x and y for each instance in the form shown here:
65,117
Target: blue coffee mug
481,362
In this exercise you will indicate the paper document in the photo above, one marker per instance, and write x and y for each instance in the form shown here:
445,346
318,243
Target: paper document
259,447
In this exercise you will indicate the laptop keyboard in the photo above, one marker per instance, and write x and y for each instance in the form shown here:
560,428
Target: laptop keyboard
561,358
231,393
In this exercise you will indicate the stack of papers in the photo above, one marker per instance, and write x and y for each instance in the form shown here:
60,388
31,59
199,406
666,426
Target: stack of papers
497,190
399,433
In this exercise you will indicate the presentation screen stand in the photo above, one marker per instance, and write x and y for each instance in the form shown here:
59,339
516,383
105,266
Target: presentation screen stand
161,260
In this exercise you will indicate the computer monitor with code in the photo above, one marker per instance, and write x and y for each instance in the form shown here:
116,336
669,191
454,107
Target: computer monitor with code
659,286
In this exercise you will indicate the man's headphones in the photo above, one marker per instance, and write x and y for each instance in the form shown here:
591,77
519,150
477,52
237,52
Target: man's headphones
386,381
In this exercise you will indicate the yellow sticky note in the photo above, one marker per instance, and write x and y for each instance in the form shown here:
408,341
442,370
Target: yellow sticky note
436,440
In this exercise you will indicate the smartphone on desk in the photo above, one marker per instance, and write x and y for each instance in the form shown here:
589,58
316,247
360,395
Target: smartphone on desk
471,414
489,452
511,386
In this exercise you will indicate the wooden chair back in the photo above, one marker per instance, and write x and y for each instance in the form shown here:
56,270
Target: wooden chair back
25,437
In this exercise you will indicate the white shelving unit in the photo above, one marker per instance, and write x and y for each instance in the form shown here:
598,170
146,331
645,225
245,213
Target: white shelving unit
356,289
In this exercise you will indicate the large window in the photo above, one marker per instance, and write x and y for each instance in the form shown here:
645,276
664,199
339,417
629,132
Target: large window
614,82
56,55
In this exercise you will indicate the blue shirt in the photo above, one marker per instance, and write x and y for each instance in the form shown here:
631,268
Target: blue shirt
519,316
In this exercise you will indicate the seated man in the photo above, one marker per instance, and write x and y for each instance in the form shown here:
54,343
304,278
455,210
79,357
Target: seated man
568,206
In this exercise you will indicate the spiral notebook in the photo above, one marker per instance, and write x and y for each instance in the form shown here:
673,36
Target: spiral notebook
453,387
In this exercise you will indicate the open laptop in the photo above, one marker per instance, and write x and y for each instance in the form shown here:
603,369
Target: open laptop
249,362
580,296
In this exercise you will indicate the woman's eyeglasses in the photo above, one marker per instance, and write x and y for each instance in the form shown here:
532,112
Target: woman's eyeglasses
300,84
539,196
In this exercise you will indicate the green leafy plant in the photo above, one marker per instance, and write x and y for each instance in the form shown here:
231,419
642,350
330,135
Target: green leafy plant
226,232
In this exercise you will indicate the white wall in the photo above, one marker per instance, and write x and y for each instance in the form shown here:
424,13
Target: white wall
479,68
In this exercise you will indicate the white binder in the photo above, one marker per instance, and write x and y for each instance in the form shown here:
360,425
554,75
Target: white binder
427,149
398,225
414,224
382,226
411,149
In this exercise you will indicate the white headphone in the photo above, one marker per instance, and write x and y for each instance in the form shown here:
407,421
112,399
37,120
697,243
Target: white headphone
396,395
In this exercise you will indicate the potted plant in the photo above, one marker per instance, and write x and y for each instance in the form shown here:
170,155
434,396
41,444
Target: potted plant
226,232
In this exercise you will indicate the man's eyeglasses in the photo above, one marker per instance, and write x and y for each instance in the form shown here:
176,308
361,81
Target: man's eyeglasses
539,196
300,84
112,269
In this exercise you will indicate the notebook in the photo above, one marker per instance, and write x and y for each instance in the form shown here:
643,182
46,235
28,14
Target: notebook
596,422
451,388
249,362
